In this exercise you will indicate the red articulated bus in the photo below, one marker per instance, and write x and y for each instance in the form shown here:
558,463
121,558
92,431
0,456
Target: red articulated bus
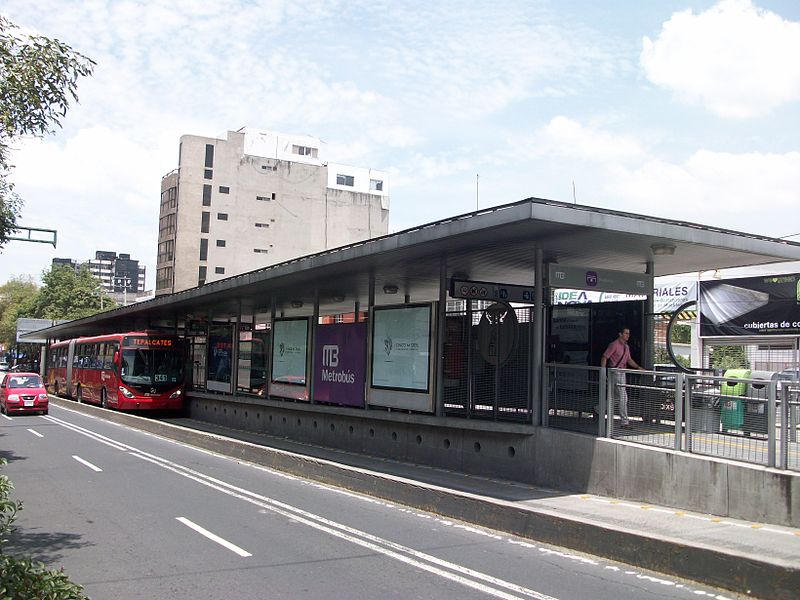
126,371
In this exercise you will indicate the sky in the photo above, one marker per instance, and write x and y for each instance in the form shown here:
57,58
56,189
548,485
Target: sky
683,109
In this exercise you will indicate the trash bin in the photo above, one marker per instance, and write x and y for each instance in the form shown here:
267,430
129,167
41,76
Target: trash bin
755,409
732,407
705,409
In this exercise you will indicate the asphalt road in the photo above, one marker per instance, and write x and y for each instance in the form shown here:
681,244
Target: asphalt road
130,515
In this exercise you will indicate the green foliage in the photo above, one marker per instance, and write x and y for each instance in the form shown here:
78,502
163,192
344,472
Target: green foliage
728,357
16,296
662,357
38,79
23,577
68,294
681,334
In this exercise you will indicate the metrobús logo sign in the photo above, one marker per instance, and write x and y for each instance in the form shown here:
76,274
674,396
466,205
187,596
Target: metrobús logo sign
330,362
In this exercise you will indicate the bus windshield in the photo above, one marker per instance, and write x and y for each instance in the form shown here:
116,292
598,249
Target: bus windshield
151,367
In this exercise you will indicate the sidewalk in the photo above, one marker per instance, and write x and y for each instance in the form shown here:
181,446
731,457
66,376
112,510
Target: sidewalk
760,560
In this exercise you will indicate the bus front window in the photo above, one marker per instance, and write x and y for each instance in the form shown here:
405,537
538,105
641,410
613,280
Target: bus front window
161,368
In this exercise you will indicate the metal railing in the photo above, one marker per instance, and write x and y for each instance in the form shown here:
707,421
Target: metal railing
749,420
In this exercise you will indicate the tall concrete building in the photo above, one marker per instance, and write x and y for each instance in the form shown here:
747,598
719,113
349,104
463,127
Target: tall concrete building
257,198
121,277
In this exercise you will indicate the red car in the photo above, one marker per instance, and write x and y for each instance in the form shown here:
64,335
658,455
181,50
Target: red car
23,392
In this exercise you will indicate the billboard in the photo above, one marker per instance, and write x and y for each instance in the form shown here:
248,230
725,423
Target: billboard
340,352
401,340
767,305
289,349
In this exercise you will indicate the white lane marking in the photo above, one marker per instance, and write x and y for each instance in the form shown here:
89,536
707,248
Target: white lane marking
355,536
374,543
88,464
329,488
7,418
88,433
214,538
36,433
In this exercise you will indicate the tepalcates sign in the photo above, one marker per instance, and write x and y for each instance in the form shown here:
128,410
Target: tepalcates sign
768,305
339,359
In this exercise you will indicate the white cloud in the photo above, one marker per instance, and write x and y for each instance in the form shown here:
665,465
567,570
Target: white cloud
735,59
568,138
754,192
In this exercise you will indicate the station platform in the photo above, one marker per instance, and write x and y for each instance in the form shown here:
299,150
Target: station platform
760,560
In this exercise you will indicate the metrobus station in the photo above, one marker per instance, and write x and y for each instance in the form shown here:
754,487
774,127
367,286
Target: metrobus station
442,345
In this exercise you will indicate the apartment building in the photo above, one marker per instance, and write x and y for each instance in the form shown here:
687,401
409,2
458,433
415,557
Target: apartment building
256,198
119,274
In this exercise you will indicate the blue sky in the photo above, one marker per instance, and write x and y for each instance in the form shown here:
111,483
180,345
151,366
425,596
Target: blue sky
680,109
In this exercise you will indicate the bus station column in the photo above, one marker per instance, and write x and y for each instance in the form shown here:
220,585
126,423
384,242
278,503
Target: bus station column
370,326
538,337
311,345
268,376
441,316
648,342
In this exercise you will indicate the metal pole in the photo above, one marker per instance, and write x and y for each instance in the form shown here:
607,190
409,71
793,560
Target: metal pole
680,385
772,424
538,337
370,329
441,331
312,358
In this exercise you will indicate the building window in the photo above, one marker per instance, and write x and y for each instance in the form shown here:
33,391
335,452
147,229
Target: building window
209,156
223,189
262,224
205,222
263,198
219,270
220,243
222,216
203,249
208,174
345,180
304,151
376,185
201,276
207,194
260,250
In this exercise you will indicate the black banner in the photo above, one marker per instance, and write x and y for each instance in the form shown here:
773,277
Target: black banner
750,306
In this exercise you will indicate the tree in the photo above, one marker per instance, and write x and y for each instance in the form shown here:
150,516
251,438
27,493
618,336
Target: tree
68,294
15,296
38,78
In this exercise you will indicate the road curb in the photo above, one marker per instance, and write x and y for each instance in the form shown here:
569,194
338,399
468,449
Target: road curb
714,566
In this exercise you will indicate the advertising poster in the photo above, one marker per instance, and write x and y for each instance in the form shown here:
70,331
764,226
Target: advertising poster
401,348
289,350
220,354
340,360
750,306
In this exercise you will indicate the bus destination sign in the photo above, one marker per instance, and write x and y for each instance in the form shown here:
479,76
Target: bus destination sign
149,342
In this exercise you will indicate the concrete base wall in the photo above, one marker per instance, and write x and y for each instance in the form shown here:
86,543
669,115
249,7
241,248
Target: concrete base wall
540,456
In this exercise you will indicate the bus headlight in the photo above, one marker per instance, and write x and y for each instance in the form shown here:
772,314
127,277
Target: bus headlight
175,394
126,392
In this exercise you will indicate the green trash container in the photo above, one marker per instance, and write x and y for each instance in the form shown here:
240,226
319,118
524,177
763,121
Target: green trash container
732,408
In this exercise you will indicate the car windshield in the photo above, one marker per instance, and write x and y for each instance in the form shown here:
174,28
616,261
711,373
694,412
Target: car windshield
150,366
24,381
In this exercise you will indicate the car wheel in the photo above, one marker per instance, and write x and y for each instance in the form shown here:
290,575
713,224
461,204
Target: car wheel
79,394
103,402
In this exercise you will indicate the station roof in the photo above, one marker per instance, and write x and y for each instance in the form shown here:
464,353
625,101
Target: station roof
496,244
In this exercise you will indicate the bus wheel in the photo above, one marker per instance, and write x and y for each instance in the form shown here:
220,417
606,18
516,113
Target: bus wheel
79,394
103,402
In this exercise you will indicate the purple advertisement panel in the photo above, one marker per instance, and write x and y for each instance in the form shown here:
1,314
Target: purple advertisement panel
339,363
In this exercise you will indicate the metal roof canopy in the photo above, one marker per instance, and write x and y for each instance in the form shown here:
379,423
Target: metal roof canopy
496,244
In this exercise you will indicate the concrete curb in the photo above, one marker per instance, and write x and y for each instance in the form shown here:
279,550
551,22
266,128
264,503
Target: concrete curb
718,567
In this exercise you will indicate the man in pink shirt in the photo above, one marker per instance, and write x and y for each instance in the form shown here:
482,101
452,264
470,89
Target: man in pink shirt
618,356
